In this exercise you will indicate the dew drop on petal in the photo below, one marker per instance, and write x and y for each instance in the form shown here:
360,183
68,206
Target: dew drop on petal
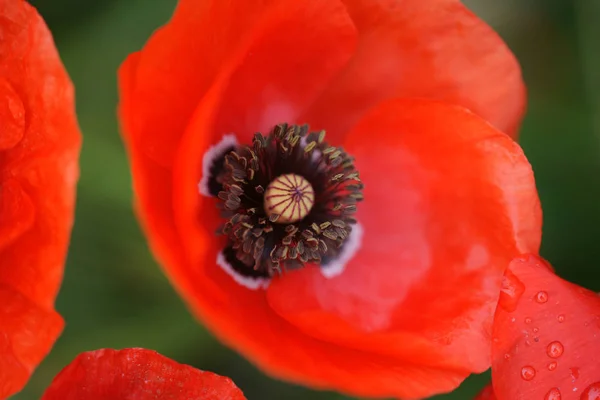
527,373
574,373
535,330
555,349
506,356
553,394
561,318
541,297
591,392
552,365
527,320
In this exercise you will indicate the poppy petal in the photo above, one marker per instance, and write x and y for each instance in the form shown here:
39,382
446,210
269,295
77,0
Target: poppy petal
39,149
137,374
546,336
210,35
424,283
27,332
432,49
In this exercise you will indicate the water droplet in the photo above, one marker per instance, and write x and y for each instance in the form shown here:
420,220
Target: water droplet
511,291
506,356
528,372
561,318
574,373
541,297
553,394
591,392
552,365
12,115
555,349
536,339
513,319
535,330
527,320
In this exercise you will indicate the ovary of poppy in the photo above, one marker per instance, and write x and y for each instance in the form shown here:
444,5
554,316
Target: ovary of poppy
138,374
39,148
546,337
449,199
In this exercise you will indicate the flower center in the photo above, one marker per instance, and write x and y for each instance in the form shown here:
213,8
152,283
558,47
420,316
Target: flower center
288,199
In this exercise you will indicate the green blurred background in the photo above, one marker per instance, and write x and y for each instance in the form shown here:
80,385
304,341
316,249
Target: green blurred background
114,294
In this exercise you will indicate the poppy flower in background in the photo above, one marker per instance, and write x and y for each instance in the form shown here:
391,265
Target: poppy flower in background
546,337
138,374
306,280
39,149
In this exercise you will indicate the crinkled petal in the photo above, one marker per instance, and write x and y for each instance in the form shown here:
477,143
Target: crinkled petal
546,336
449,201
137,374
27,333
432,49
182,59
39,149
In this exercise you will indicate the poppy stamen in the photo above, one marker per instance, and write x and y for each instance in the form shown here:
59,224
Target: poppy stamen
288,199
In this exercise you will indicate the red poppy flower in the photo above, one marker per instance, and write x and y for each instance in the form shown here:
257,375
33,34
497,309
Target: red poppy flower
39,148
546,337
398,290
137,374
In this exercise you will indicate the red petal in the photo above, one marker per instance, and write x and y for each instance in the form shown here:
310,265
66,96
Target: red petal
433,49
282,40
137,374
488,394
425,281
39,147
548,343
27,332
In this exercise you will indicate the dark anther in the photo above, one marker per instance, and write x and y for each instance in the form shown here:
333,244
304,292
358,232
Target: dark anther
216,168
230,256
288,199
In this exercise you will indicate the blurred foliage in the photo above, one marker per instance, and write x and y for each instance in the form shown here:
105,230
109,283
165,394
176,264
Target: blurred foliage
114,294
